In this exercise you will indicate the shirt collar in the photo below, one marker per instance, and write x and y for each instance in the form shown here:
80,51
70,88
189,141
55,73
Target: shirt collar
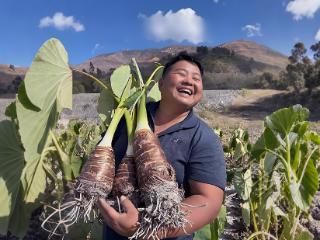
189,122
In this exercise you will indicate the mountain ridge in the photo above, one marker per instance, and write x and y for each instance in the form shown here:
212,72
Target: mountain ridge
244,56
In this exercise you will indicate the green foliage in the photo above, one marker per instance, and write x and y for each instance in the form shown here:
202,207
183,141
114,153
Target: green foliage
105,106
11,111
217,227
302,72
41,97
119,79
213,230
281,179
11,167
268,80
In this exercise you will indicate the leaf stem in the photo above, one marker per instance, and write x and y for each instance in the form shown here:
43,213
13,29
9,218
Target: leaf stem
142,121
130,121
99,82
108,137
261,233
306,164
64,159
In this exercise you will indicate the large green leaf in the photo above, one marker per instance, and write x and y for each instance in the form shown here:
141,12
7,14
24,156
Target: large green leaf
119,79
133,99
11,110
106,106
282,121
20,218
303,191
24,99
50,77
34,129
11,165
154,95
48,85
47,88
243,184
266,141
245,211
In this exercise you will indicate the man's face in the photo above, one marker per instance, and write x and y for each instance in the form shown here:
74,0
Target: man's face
182,85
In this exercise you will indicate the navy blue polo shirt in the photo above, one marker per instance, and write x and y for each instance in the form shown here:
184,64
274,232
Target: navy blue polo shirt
192,148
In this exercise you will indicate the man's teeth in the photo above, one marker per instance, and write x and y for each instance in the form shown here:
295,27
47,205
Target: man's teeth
186,91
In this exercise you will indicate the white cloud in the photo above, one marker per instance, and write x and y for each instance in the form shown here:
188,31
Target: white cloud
317,37
253,30
303,8
182,25
61,22
215,1
96,47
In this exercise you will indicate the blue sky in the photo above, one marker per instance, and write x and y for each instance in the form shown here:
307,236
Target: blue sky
89,28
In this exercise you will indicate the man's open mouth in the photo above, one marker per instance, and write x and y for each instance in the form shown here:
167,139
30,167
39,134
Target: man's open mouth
185,91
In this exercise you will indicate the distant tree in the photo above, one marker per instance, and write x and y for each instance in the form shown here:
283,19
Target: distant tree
283,82
11,66
222,52
266,80
297,53
84,70
203,50
299,68
91,68
17,80
78,88
296,78
316,49
312,78
99,73
312,74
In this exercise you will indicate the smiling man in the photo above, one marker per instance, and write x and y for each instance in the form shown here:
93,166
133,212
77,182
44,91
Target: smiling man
189,144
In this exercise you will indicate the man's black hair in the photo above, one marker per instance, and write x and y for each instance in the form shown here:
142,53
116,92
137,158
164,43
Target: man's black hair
181,57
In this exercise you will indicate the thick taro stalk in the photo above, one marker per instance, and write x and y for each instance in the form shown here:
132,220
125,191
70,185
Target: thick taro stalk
158,188
125,181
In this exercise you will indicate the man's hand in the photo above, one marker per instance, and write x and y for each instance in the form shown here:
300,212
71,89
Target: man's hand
125,223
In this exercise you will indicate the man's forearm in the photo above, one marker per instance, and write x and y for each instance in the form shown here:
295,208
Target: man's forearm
200,211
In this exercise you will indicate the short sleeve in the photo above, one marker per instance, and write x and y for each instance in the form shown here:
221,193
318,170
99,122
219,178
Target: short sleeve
207,163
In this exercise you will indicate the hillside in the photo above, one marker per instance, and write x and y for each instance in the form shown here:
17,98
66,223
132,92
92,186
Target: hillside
258,52
105,62
233,65
10,77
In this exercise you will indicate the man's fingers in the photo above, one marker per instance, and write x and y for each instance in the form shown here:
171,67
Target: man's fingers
106,210
127,205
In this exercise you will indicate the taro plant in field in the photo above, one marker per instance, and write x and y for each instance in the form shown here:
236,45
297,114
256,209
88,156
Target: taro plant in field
24,141
278,187
237,152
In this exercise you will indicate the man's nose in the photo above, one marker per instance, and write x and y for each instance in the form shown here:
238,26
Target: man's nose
188,80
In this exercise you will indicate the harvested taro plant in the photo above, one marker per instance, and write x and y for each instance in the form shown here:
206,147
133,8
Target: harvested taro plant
159,192
97,175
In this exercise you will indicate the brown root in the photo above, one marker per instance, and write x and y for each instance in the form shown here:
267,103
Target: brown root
94,182
125,181
97,175
162,212
158,188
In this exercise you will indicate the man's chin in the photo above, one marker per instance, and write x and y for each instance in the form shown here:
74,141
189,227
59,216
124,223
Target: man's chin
187,105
